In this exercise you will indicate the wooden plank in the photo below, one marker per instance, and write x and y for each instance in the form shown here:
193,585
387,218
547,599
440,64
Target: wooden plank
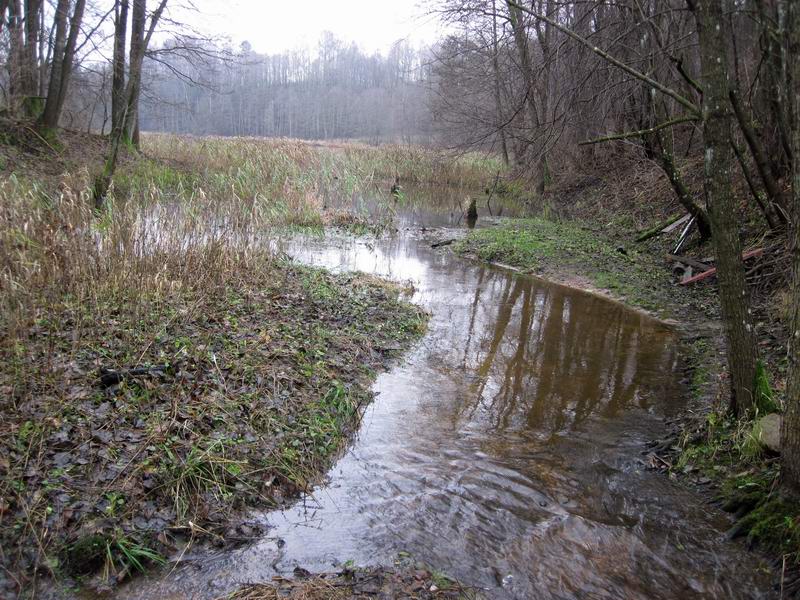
689,261
712,271
676,224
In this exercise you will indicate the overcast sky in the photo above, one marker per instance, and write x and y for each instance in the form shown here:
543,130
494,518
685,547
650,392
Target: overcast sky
275,25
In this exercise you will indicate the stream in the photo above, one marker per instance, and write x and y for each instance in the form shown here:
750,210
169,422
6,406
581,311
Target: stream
505,449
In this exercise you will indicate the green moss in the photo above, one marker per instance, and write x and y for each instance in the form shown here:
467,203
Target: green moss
518,246
775,524
748,484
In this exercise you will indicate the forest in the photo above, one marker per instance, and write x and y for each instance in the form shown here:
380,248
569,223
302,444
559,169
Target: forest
526,292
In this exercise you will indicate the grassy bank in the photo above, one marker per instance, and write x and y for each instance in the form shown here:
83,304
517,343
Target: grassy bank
723,457
578,253
161,372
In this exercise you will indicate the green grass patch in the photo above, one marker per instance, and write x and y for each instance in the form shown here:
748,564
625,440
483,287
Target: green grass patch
546,247
764,396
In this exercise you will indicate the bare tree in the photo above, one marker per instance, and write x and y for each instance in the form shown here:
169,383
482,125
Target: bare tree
23,27
790,434
496,80
659,76
63,57
734,296
118,61
192,85
527,70
125,126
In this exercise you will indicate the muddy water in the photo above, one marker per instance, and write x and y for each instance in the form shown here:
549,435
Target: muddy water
504,450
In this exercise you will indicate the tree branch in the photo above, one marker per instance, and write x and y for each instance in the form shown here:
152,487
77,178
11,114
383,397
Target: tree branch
618,63
641,132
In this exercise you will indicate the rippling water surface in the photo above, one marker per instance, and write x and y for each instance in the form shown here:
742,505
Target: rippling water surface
505,450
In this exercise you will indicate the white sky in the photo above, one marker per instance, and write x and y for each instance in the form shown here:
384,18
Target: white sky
274,25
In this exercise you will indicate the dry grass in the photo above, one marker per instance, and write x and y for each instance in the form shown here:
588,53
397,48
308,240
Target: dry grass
54,248
315,589
341,167
190,214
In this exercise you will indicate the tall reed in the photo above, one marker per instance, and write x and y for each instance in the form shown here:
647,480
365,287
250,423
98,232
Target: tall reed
192,213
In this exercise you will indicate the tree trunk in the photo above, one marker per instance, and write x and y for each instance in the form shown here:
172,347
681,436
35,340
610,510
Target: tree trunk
774,71
125,127
23,53
664,157
135,67
30,66
62,62
521,42
544,33
3,9
766,209
45,47
16,56
50,116
734,298
760,158
118,77
497,98
790,434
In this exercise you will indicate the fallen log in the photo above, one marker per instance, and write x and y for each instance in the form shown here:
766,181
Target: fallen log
713,270
659,229
443,243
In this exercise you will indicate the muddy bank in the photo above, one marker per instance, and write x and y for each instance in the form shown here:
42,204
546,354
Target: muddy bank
146,428
404,579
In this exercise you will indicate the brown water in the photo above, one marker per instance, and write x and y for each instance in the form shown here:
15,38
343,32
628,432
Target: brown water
505,450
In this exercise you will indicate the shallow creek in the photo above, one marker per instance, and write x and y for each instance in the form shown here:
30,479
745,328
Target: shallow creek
505,450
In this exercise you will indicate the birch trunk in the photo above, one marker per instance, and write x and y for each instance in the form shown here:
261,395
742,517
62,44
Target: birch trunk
734,296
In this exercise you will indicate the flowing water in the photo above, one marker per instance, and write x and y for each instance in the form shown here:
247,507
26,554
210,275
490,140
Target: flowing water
505,450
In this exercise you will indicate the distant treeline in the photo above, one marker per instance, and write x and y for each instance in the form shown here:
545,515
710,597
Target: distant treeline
336,91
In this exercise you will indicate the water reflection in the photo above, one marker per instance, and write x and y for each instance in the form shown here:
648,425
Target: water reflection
428,206
503,450
543,359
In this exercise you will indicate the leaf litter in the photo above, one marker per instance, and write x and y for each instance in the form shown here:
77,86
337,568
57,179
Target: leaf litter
154,423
